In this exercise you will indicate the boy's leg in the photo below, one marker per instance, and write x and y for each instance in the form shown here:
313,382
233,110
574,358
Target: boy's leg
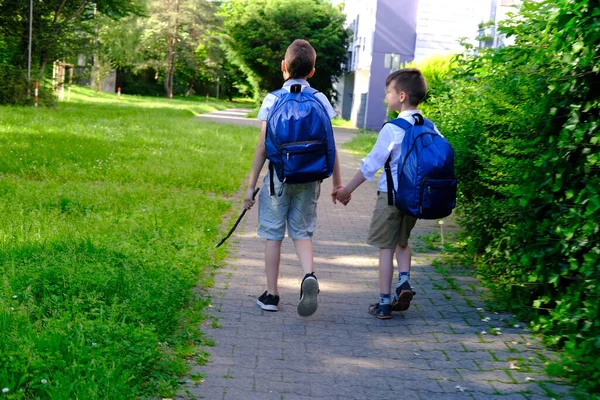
269,300
272,259
383,233
309,287
302,222
386,270
304,251
272,213
403,257
404,293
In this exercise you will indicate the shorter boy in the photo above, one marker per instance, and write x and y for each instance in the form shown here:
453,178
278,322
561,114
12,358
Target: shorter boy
390,228
291,204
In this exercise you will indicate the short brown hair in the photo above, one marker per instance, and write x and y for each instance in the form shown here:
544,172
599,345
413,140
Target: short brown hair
300,58
409,81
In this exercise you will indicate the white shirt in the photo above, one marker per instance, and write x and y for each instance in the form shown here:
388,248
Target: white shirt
270,99
388,141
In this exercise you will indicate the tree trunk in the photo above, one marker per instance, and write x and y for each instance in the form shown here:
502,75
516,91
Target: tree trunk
171,49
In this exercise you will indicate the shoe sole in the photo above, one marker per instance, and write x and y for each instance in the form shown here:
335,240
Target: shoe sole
377,315
267,307
308,303
404,300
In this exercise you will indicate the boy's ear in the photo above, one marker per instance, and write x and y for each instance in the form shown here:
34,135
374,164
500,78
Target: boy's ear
283,67
402,96
311,73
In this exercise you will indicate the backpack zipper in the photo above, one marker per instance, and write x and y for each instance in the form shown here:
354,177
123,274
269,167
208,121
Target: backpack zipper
303,152
303,142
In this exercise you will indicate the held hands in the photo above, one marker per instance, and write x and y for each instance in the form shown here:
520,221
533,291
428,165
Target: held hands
249,198
339,194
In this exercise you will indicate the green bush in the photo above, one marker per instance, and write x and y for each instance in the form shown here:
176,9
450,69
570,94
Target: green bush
13,88
524,123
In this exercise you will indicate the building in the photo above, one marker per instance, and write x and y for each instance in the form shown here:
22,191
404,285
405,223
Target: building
389,33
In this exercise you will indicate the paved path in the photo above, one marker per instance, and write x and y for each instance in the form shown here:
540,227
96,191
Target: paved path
435,350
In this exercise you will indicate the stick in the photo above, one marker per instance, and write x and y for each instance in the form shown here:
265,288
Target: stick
237,222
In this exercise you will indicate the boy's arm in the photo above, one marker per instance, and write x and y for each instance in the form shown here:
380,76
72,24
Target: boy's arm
336,178
260,155
343,195
372,163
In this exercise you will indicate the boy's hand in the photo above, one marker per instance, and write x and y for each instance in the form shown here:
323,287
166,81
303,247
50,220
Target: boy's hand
339,194
249,198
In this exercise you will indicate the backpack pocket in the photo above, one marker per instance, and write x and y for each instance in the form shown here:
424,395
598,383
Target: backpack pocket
304,162
438,197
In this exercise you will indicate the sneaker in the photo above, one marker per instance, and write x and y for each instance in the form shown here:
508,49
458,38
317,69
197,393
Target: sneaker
404,295
381,311
268,302
308,295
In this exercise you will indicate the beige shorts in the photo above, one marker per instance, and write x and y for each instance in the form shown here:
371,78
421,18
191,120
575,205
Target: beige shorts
389,226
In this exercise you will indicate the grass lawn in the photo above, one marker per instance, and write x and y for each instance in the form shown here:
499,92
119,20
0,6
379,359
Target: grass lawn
110,212
362,143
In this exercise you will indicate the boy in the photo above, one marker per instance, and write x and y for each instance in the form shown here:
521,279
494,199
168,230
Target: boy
390,228
294,204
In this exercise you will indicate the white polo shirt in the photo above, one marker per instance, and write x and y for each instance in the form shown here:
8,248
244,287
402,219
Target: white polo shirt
388,141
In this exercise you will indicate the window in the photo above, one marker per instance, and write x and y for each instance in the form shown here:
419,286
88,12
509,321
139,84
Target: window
392,61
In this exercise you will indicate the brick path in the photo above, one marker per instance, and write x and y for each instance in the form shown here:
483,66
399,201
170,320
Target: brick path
435,350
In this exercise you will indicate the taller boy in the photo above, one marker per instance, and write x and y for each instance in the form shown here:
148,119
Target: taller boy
294,204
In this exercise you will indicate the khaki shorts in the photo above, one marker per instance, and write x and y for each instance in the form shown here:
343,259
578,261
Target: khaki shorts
389,226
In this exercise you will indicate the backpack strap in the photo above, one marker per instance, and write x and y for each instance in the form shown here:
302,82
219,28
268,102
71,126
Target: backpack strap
390,181
272,183
406,126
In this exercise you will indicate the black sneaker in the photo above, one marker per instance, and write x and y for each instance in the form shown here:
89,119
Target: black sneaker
308,295
268,302
404,295
381,311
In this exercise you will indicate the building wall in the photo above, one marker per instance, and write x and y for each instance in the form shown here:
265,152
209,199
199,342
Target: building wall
441,23
395,27
360,96
360,17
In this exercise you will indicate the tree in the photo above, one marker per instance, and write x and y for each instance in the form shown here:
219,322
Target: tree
257,33
60,26
61,29
163,40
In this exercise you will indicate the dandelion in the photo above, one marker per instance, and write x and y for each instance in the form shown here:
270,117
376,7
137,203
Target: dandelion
5,390
44,381
15,296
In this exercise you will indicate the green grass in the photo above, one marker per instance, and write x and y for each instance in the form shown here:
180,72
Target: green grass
362,143
110,212
343,123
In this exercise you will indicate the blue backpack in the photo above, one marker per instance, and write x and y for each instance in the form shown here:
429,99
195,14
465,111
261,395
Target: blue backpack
299,139
426,181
